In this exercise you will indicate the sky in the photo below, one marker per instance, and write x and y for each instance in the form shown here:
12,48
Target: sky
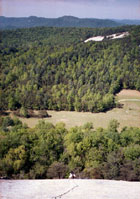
103,9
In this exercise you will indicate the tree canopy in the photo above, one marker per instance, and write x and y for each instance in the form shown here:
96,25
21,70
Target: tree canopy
49,151
52,68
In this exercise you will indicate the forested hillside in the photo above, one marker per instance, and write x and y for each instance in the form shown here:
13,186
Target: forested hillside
128,21
52,68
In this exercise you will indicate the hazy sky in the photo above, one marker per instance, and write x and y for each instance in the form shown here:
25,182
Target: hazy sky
118,9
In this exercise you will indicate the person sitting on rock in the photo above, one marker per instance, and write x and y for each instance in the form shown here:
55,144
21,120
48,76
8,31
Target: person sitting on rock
72,175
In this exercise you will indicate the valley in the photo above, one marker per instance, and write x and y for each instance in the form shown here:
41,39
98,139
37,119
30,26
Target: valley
91,90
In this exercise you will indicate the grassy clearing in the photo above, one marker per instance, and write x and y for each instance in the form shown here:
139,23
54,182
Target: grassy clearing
129,115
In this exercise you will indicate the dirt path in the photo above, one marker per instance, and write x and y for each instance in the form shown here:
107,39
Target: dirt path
128,92
129,100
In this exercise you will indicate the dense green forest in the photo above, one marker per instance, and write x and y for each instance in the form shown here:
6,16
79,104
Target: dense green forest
53,69
49,151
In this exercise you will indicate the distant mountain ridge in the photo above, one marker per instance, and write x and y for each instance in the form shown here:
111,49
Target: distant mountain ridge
128,21
65,21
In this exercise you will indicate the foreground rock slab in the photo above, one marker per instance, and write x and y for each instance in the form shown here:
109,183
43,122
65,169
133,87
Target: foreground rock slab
69,189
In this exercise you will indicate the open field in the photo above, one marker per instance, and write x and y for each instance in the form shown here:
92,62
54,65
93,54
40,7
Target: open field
129,94
128,115
69,189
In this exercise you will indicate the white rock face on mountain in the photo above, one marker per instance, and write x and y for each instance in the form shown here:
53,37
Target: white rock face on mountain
109,37
118,35
98,38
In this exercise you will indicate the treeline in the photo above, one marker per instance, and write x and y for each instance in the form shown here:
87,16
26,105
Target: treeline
52,68
49,151
65,21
